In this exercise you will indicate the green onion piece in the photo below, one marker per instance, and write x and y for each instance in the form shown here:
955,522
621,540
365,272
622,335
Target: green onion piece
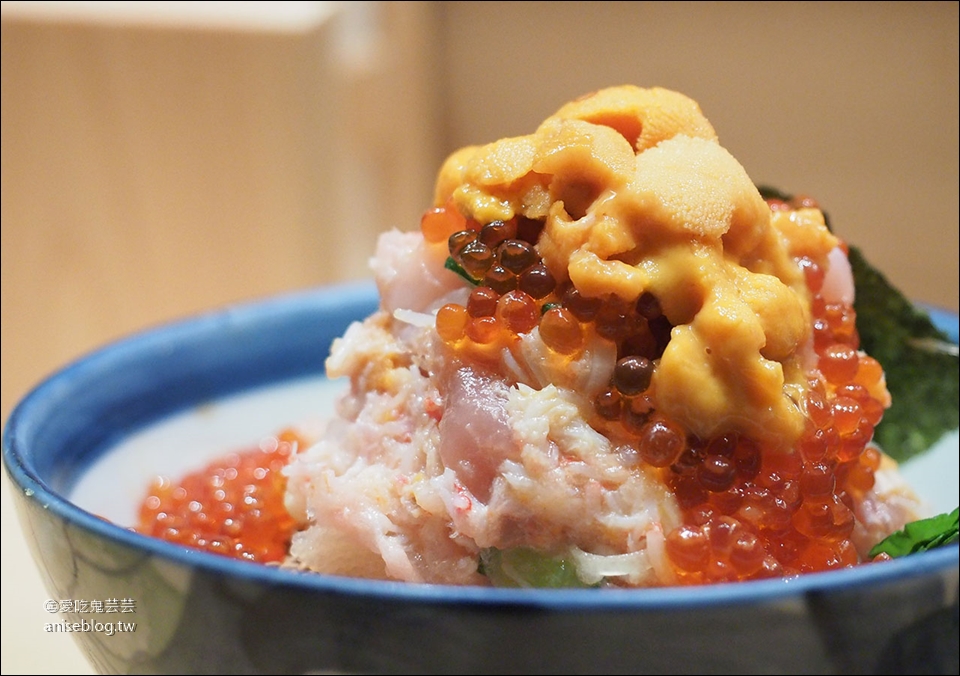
547,307
528,568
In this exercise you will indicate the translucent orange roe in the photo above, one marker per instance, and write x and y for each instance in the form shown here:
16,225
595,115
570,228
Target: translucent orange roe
233,506
748,511
751,512
439,223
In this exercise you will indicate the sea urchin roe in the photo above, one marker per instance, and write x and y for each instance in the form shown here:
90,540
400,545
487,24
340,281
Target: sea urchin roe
637,206
233,506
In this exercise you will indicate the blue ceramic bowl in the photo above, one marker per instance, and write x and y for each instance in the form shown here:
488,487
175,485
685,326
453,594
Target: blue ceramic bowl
201,613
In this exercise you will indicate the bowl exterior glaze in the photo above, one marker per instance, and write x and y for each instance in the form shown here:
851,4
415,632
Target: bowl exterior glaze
200,613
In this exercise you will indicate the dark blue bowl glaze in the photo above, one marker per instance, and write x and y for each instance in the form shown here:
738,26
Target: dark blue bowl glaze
202,613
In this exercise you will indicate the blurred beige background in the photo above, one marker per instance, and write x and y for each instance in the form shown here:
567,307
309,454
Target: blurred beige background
161,159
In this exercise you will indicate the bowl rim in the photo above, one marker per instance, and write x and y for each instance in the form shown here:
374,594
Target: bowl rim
26,479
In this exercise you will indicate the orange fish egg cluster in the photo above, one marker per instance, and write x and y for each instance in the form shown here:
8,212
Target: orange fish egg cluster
751,512
748,511
515,293
233,506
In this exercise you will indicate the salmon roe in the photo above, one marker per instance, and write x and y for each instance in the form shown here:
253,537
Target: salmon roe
748,511
751,512
439,223
234,506
515,288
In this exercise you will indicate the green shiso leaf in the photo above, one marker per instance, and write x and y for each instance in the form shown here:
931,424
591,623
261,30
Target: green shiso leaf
923,379
922,535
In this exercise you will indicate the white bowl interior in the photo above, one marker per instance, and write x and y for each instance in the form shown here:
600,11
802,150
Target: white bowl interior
188,441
